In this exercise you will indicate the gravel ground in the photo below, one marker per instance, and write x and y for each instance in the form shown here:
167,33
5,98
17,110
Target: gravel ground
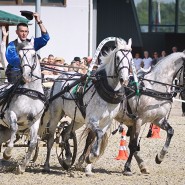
107,170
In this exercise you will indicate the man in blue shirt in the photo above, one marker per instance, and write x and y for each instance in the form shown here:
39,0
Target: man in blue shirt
13,71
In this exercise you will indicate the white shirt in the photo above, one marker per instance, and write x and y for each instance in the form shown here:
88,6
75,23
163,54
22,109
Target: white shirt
147,62
137,62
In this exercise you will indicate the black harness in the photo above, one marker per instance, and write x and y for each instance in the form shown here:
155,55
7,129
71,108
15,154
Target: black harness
105,91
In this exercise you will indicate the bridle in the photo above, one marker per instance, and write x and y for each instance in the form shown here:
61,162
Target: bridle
125,55
31,66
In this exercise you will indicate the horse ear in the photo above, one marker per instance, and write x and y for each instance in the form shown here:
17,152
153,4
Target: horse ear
119,42
130,42
116,42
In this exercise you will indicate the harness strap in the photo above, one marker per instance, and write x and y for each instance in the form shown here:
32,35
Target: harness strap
31,93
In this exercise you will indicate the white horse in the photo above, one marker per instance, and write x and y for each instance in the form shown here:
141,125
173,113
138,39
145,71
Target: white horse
101,99
152,105
25,103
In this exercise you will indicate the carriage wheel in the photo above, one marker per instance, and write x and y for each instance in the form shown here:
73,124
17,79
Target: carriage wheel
64,148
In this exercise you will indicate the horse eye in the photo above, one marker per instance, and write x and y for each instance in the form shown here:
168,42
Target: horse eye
117,58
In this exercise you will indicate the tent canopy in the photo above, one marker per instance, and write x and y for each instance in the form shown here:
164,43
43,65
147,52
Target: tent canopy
11,19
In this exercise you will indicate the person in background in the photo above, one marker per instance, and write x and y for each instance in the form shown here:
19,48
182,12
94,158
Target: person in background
4,62
155,58
13,71
70,69
66,68
174,49
77,63
163,54
83,69
59,61
137,61
51,59
147,60
3,47
44,60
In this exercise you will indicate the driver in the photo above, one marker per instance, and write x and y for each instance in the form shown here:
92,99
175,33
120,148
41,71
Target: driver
13,70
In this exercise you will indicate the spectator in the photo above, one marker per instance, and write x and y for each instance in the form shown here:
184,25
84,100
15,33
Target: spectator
163,54
44,60
59,61
174,49
4,62
141,70
3,47
13,71
137,61
147,60
66,68
51,59
71,66
155,58
83,69
77,63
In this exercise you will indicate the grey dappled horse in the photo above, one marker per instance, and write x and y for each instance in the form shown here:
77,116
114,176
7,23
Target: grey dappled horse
98,112
25,105
151,109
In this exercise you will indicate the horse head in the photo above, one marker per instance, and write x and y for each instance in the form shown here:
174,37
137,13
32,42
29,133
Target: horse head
28,59
122,59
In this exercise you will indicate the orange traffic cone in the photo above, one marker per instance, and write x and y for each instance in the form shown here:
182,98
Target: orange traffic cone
155,131
123,154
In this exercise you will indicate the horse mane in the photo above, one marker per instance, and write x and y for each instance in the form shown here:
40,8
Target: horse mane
26,43
107,58
170,58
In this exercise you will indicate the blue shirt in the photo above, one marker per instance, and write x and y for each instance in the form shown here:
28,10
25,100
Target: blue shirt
13,57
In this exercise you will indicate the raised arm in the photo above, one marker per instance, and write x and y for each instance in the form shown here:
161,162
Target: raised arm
3,47
39,22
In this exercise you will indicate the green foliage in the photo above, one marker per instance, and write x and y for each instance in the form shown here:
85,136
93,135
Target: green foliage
167,10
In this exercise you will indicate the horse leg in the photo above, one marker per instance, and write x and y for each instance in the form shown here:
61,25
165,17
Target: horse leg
66,133
133,146
55,117
33,142
163,124
88,168
90,138
140,161
95,149
13,127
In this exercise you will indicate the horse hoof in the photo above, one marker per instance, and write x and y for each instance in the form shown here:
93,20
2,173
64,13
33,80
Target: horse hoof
89,174
144,171
6,157
127,173
46,169
66,164
143,168
87,160
81,159
20,170
157,159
